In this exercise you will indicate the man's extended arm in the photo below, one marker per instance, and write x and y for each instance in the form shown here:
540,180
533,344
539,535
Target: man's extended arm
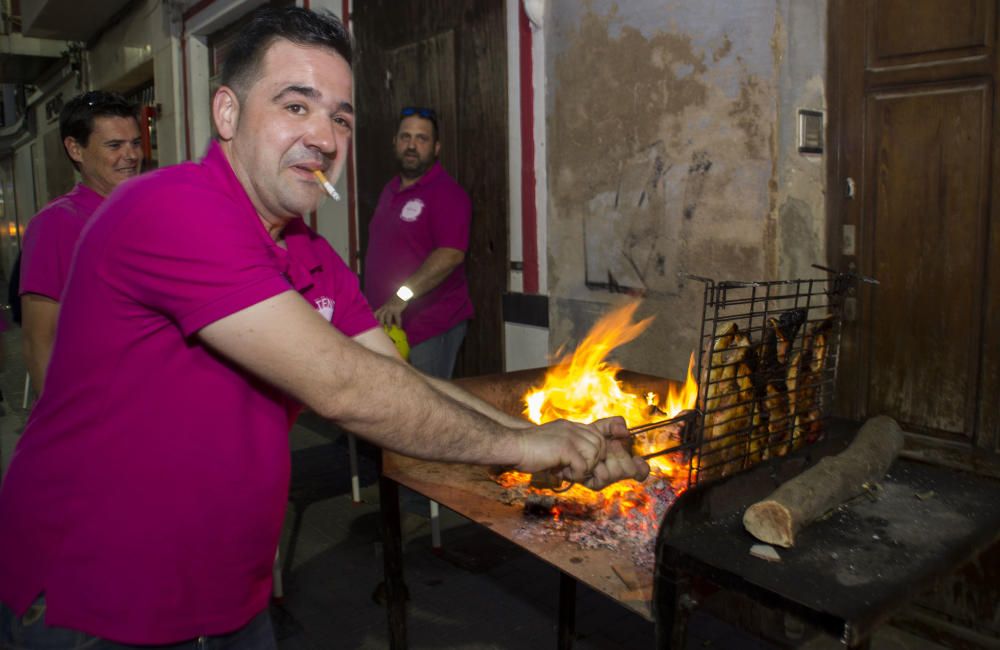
438,265
39,315
285,342
377,340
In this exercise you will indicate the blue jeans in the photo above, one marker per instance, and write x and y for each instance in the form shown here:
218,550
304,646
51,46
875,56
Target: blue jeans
436,356
29,632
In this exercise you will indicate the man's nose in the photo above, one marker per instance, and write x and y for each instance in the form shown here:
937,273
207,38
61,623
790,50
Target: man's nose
133,152
321,136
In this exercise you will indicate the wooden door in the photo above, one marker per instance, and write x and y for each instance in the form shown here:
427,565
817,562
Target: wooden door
913,201
450,55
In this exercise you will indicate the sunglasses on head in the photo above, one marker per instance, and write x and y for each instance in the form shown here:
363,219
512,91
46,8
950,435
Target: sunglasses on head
426,113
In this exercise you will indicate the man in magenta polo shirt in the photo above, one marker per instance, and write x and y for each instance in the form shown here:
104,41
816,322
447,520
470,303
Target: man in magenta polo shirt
417,238
146,495
100,134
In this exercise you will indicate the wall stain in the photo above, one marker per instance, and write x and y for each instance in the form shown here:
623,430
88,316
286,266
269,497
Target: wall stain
695,186
747,114
613,93
723,50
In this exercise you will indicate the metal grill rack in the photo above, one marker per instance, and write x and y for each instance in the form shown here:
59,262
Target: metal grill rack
767,369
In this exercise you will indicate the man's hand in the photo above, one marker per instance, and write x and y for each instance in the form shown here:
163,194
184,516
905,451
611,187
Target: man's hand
391,313
618,465
595,454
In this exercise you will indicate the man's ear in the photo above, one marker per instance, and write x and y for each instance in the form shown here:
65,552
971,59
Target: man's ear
226,112
73,148
437,148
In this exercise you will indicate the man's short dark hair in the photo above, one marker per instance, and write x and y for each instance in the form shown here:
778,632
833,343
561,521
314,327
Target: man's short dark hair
76,120
266,25
428,114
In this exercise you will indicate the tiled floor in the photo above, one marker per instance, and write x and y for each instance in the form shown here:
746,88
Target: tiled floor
479,593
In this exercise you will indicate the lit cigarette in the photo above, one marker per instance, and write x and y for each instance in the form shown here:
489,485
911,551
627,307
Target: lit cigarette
327,185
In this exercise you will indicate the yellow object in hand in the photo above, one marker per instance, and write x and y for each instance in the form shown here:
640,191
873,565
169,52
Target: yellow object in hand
398,337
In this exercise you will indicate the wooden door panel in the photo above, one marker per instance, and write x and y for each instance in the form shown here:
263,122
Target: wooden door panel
423,74
913,96
926,223
913,124
904,32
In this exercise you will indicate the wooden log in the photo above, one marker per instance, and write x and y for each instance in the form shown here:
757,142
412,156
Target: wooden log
833,480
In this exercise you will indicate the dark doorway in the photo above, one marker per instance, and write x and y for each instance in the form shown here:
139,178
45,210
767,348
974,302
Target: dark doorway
912,180
450,55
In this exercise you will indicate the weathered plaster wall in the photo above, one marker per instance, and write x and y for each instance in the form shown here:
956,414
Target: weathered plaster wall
801,187
671,139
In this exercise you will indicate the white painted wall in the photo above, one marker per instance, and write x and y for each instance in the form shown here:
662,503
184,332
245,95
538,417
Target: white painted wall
24,184
68,88
515,281
333,217
526,346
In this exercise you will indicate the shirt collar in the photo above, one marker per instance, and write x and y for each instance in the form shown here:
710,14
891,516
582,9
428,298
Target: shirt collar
299,259
429,176
85,197
298,239
217,164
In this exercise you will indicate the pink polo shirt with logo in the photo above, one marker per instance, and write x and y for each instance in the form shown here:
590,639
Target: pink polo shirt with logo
408,224
147,493
50,239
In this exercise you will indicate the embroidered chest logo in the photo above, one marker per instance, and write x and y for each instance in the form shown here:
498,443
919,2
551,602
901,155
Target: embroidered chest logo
325,307
411,210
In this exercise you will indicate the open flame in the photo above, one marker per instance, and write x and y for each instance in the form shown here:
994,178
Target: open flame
583,387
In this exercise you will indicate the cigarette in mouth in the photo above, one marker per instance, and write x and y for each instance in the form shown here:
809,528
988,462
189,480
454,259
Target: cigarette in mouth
327,185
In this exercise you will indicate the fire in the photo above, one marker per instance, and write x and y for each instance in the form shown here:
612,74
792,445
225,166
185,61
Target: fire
583,387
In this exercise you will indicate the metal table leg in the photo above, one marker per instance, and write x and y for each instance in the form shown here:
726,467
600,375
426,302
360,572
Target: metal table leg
670,610
567,611
393,554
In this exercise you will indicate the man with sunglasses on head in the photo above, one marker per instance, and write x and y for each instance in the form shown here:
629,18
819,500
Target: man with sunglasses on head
100,134
415,263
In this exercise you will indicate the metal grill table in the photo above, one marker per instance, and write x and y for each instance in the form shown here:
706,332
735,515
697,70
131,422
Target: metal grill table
467,490
848,572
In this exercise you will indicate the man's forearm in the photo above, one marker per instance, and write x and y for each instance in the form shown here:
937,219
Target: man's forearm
369,393
431,418
39,316
377,341
36,358
438,266
480,406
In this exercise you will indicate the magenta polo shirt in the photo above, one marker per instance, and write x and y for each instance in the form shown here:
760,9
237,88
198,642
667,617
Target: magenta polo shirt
50,239
408,224
147,493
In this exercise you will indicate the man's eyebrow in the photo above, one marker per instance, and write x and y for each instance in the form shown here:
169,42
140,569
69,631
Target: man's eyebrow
311,93
118,140
305,91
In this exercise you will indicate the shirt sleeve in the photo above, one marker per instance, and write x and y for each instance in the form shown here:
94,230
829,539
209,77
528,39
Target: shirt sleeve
352,314
197,257
47,251
450,220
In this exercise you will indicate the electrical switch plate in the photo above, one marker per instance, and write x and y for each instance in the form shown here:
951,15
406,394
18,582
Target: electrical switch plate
810,131
848,239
